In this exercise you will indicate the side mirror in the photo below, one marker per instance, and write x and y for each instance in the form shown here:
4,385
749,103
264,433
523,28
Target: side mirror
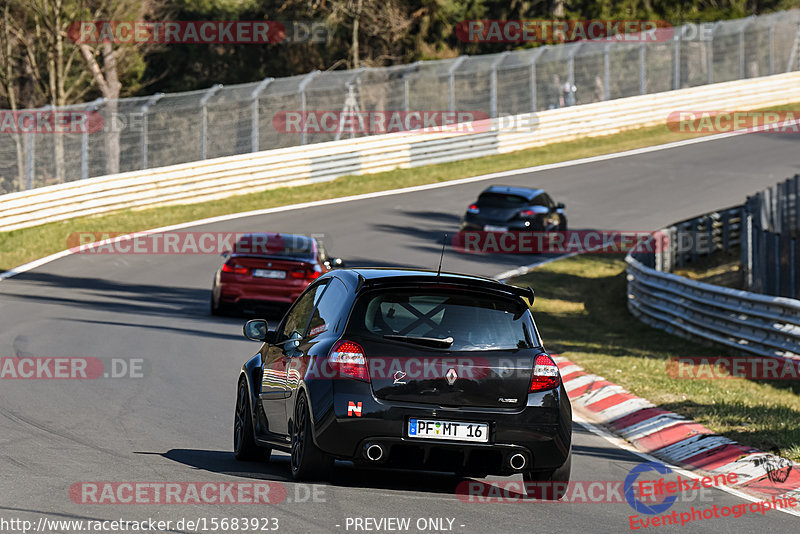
258,330
225,253
560,206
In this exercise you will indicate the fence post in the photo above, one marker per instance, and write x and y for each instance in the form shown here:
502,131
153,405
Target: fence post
254,112
676,57
777,257
771,50
204,133
493,85
642,88
742,66
532,66
411,68
85,139
302,89
31,150
710,53
792,271
607,72
144,110
571,74
451,73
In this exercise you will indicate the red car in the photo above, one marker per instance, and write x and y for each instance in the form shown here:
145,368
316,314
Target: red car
268,271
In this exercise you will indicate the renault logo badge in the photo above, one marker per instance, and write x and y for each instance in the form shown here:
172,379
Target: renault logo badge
451,376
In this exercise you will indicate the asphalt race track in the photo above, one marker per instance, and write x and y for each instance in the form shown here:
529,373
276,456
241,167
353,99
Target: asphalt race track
174,424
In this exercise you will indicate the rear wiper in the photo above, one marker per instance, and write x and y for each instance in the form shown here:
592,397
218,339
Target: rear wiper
431,341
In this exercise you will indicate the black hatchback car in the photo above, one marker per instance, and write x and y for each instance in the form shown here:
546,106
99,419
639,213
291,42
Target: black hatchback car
409,369
502,208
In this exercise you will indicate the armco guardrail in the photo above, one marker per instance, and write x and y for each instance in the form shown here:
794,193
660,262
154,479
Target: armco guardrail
211,179
765,326
762,325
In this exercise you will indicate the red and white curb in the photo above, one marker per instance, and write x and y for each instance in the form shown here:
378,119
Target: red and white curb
675,439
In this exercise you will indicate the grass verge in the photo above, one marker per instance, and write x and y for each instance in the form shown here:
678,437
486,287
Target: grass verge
21,246
581,311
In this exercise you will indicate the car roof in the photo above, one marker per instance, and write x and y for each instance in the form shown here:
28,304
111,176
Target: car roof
362,278
527,192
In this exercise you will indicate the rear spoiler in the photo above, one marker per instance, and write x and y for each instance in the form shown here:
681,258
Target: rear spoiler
479,284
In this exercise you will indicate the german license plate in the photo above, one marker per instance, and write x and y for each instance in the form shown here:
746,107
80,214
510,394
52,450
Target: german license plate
459,431
490,228
268,273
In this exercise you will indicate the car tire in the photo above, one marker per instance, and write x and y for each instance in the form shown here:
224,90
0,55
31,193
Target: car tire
244,442
218,309
562,226
549,485
307,461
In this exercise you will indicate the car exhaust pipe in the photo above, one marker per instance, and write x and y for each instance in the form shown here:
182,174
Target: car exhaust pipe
374,452
517,461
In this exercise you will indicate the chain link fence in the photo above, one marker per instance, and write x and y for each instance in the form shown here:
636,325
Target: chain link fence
165,129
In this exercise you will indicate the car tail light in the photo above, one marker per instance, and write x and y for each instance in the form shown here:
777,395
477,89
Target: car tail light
473,208
235,268
545,373
347,359
526,213
307,275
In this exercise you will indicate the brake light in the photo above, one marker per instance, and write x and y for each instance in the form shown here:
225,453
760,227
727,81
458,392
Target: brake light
545,373
235,269
347,359
527,213
473,208
303,274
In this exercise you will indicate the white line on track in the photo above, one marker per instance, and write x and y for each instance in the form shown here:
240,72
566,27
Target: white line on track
622,444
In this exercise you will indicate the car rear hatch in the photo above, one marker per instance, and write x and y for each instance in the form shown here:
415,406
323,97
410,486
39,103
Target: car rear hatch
446,347
495,207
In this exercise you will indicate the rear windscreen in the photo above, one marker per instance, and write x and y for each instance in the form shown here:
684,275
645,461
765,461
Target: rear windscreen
290,246
475,321
499,200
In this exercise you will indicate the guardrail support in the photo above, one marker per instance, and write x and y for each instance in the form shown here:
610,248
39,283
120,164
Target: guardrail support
607,71
144,110
493,85
204,132
451,73
254,112
85,139
302,89
532,66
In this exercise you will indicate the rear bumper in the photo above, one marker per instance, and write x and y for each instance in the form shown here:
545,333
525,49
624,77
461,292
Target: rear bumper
240,293
541,432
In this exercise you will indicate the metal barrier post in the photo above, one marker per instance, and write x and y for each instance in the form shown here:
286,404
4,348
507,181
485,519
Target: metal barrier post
302,89
493,85
710,53
532,66
31,150
144,111
642,89
204,132
606,72
451,73
742,66
254,112
85,139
